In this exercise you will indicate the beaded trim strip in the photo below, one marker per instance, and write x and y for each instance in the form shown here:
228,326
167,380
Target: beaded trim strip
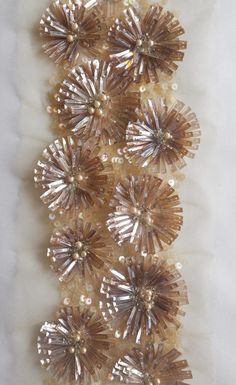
109,181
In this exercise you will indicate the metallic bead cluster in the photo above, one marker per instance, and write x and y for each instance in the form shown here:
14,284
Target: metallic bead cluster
146,46
162,136
69,29
143,298
71,175
151,365
78,250
106,182
93,102
75,346
146,213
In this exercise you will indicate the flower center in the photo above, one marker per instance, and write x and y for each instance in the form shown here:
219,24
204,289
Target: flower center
76,178
145,296
144,215
80,251
77,343
75,33
161,138
97,107
145,45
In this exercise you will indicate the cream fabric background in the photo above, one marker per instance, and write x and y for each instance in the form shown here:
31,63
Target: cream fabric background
28,292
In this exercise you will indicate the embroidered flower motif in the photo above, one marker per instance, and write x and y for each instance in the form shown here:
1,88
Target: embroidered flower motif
163,136
150,366
69,30
72,176
143,299
78,250
144,47
93,102
75,346
146,214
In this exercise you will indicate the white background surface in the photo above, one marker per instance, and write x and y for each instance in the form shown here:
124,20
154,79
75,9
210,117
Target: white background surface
207,82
